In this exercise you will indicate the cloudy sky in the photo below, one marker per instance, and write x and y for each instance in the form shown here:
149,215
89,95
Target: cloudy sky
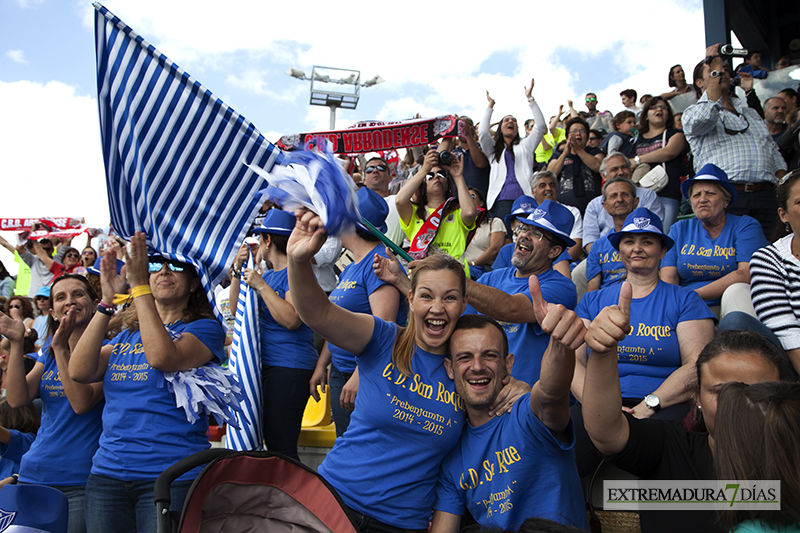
436,59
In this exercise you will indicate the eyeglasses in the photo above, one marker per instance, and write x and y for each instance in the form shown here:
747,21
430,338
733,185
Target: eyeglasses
438,174
661,107
535,233
155,266
735,132
593,138
372,168
577,132
76,256
15,307
591,100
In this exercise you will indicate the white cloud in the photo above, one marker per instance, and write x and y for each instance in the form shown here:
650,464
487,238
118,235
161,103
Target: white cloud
29,3
17,56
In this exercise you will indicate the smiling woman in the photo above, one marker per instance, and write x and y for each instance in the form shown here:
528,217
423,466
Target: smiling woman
407,414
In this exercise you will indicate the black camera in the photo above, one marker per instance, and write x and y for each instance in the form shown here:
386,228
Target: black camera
446,158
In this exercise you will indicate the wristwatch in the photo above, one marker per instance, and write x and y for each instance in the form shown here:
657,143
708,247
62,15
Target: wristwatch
636,159
652,401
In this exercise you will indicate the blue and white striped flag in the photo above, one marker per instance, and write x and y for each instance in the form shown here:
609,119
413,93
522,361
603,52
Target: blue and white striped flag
175,158
174,154
245,362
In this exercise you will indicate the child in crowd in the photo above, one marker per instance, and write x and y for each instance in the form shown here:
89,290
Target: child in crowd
621,140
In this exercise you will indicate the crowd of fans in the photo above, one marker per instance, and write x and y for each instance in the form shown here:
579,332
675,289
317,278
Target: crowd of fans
579,293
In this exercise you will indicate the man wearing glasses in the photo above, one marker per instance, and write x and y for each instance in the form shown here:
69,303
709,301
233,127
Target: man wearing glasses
377,177
504,294
722,131
596,119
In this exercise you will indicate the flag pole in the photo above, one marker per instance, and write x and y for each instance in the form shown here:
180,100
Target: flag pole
387,241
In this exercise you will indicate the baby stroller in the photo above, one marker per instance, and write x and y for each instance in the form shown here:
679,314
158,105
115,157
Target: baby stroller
249,492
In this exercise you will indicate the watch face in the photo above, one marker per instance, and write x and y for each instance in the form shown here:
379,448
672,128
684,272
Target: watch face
651,400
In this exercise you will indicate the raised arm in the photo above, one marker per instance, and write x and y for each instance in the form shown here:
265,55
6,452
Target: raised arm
485,128
42,255
550,395
282,311
468,210
347,330
21,389
82,397
405,209
602,399
475,152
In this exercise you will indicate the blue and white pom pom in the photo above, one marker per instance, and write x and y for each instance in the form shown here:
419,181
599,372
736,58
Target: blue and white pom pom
314,179
207,390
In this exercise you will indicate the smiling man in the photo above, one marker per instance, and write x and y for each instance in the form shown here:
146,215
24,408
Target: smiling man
503,294
521,465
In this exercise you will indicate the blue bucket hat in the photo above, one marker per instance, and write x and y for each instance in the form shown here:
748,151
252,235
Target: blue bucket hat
642,220
553,217
524,205
710,173
373,208
277,222
33,508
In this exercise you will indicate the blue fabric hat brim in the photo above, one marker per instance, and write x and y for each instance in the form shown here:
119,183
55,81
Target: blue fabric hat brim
630,226
277,222
570,243
712,174
614,238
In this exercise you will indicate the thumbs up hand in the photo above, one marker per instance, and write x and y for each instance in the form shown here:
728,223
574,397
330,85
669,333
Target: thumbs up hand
611,325
556,320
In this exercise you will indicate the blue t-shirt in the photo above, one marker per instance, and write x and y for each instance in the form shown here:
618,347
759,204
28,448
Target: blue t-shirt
385,465
604,260
650,352
701,259
527,341
144,432
280,346
65,443
512,468
12,453
356,283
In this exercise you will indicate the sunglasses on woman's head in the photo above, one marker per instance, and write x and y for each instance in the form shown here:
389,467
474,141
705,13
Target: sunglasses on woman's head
155,266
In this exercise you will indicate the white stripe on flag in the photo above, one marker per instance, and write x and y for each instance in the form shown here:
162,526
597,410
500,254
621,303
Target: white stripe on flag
174,154
245,364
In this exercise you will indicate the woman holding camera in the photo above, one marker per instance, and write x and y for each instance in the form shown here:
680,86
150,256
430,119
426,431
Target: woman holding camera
434,219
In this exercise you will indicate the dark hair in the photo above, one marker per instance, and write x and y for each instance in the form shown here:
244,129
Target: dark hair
598,133
366,235
25,302
479,194
280,241
406,341
577,120
68,249
52,323
422,194
376,158
629,93
480,322
4,273
644,124
24,419
697,74
671,78
622,116
738,343
782,193
756,438
500,143
751,52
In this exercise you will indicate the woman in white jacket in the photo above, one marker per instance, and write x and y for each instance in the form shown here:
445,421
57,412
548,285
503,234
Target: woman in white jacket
511,158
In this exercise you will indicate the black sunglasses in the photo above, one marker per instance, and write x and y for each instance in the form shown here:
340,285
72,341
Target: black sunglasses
735,132
370,169
15,307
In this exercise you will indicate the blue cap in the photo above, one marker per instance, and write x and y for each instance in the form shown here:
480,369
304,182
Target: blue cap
642,220
553,217
524,205
277,222
43,291
712,174
95,268
33,508
373,208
